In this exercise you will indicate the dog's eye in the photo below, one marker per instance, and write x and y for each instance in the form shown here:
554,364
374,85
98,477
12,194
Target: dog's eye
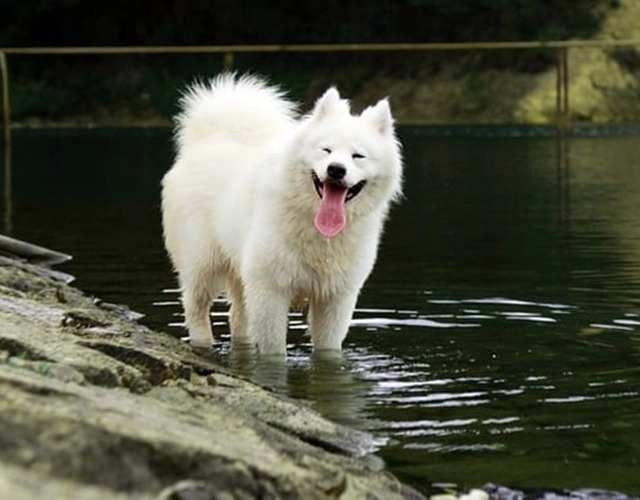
357,156
327,150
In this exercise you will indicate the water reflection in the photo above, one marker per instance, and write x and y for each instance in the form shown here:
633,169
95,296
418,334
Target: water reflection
486,388
329,381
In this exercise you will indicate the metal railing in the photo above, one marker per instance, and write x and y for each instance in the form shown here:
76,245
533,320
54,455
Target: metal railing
228,53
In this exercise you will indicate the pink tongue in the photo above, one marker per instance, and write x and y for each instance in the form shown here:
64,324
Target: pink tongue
330,219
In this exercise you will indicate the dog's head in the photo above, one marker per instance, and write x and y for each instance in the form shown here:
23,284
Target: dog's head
353,162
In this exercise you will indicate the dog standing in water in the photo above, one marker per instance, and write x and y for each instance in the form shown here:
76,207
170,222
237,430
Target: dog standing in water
275,209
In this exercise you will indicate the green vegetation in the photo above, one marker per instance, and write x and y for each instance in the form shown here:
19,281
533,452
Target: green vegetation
176,22
52,87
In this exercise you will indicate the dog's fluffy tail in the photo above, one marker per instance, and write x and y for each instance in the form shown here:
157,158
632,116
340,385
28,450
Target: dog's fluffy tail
243,108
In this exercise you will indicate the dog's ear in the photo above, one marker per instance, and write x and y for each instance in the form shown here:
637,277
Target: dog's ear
329,103
380,116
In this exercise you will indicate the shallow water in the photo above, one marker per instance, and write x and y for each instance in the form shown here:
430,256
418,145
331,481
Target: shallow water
498,338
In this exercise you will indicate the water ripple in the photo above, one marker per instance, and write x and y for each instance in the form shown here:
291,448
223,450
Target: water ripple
423,322
472,375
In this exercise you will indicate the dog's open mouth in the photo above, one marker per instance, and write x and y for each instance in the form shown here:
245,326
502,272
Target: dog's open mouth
352,192
331,216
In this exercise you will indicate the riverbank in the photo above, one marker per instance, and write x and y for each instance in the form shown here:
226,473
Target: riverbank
603,87
95,405
603,84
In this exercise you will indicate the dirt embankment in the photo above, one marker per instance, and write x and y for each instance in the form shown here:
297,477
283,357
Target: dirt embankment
604,85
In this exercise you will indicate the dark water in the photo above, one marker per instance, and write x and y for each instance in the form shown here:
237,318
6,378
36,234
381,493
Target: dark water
499,336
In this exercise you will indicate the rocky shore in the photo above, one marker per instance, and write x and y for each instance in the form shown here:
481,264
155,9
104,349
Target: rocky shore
95,405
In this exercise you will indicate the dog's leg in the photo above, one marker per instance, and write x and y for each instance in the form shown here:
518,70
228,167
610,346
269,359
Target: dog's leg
329,319
267,319
237,313
197,298
197,303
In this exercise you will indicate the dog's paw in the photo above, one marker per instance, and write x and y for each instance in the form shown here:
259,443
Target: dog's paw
200,343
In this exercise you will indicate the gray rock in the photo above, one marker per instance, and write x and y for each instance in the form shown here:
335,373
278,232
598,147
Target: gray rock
95,405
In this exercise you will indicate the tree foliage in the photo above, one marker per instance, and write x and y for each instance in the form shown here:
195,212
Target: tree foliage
179,22
53,87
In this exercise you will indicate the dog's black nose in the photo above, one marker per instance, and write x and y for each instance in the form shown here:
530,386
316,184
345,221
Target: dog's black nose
336,171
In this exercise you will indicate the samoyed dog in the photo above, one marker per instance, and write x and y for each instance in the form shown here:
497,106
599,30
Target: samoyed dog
276,210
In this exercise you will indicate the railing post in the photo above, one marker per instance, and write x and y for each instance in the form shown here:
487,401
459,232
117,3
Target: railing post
6,109
562,88
6,143
565,82
228,61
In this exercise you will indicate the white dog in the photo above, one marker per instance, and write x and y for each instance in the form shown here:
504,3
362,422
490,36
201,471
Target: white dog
276,209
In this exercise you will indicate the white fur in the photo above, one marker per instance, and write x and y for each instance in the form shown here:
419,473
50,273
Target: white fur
239,205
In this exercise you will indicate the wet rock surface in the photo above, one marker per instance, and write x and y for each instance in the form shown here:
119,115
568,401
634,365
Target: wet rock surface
492,491
497,492
94,405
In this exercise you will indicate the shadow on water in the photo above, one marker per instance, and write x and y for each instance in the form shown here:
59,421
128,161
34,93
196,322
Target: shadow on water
498,338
